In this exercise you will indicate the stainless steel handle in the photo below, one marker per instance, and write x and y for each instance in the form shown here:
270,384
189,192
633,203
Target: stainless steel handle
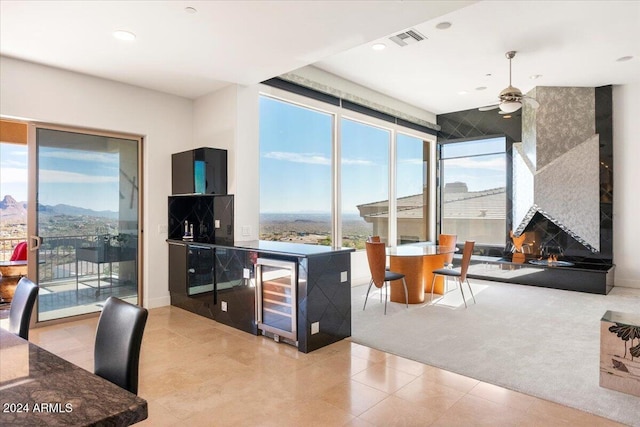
258,294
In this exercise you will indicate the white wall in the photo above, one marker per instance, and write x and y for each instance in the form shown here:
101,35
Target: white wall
229,119
626,178
39,93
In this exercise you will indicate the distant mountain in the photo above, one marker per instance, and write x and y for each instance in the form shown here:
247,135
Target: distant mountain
11,209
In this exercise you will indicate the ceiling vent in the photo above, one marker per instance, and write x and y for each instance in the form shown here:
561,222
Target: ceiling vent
407,38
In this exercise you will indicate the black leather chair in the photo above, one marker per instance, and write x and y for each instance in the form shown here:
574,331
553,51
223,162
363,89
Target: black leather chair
118,341
22,304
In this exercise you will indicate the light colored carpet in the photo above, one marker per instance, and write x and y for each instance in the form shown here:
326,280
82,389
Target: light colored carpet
538,341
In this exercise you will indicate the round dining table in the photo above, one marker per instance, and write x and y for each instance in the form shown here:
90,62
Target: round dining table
417,262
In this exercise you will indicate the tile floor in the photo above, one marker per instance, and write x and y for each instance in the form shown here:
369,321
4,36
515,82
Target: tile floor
196,372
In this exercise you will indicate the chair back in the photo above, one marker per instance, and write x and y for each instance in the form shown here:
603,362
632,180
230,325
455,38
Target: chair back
377,258
374,239
448,240
466,259
19,252
118,342
22,304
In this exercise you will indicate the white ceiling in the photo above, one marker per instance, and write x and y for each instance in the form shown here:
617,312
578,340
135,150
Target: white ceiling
572,43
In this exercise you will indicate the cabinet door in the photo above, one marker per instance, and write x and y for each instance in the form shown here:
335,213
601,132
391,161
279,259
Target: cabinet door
235,289
178,268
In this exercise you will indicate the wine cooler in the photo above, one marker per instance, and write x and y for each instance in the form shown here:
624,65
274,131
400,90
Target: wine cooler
276,282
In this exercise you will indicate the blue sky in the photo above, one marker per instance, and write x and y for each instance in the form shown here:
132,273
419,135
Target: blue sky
295,161
80,178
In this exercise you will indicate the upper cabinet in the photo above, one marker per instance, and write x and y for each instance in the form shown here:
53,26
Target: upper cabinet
199,171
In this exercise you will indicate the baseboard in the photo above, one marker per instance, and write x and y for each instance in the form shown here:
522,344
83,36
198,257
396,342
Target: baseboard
157,302
627,283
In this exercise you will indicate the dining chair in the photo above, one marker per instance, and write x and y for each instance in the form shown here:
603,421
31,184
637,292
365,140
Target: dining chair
118,342
459,273
24,298
449,241
380,277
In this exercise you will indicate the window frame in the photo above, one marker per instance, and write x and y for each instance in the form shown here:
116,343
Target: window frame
338,114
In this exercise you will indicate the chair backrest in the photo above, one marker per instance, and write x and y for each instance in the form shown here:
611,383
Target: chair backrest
448,240
118,342
374,239
377,258
466,259
22,304
19,252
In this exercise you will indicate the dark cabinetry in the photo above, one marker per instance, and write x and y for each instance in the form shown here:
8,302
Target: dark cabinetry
210,215
234,275
199,171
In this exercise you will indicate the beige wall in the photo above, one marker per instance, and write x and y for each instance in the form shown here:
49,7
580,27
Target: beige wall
626,176
39,93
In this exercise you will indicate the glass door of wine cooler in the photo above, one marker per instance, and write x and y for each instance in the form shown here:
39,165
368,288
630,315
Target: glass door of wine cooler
276,298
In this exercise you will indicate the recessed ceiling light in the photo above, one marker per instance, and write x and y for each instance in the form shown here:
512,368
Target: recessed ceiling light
378,46
624,58
462,92
506,116
190,10
481,88
535,76
124,35
443,25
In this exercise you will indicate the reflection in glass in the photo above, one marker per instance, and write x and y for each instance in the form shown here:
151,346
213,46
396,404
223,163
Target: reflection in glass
411,188
87,218
473,190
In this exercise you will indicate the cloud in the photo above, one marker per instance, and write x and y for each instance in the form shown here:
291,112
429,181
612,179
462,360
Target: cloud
59,177
414,161
87,156
13,175
313,158
309,158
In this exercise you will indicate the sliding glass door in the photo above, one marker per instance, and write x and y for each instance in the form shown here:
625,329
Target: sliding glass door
84,219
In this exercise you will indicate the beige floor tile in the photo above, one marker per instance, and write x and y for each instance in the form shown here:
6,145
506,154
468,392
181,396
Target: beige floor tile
196,372
370,354
431,395
384,378
450,379
394,411
405,365
475,411
353,397
503,396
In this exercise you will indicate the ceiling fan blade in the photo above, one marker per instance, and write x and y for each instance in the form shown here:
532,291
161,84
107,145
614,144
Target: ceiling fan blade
489,107
531,102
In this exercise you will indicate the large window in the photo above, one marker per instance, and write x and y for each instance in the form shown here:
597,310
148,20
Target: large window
333,176
295,173
473,190
365,183
412,192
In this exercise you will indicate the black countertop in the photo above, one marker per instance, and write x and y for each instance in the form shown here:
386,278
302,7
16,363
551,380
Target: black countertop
280,248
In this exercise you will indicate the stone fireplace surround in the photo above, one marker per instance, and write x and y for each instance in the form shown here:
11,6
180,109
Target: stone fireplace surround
567,147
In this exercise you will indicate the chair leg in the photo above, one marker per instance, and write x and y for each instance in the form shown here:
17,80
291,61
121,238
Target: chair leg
386,286
365,298
469,285
433,285
462,292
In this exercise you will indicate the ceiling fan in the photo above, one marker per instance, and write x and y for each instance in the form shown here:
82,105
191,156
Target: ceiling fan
511,98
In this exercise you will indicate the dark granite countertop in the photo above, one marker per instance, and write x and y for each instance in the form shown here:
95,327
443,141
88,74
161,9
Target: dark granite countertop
280,248
38,388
